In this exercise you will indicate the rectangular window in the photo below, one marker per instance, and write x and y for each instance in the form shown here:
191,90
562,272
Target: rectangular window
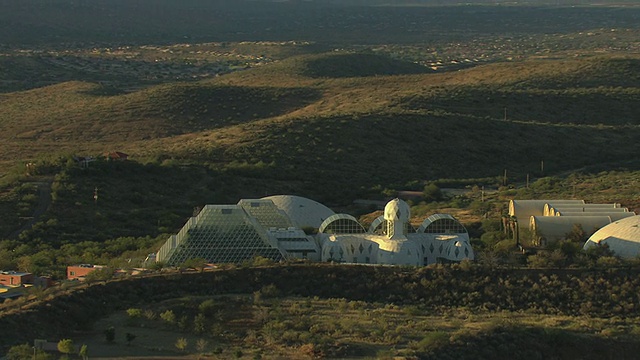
72,273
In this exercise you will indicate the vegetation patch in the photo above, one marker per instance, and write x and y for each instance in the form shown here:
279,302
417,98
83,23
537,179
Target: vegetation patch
435,312
345,65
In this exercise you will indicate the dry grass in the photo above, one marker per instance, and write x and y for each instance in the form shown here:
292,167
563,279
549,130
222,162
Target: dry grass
72,117
362,330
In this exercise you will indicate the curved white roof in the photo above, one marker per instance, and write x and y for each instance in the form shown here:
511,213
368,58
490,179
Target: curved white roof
523,209
555,228
349,226
302,211
454,225
613,215
551,210
397,210
622,236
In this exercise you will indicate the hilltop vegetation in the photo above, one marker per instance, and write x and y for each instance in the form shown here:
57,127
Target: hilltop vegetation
220,100
273,116
351,65
277,129
455,312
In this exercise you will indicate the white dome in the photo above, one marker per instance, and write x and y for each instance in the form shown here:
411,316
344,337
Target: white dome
622,237
397,210
302,211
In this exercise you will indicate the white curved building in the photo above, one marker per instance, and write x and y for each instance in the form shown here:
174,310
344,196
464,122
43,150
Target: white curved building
615,216
552,209
272,227
392,240
622,237
552,220
303,212
522,210
554,228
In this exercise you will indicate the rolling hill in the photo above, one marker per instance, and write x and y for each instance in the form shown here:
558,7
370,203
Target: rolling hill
282,115
277,129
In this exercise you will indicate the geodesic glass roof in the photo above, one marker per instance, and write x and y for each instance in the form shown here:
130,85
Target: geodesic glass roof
441,224
341,224
219,234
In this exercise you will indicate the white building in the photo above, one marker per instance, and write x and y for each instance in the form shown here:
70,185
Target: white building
552,220
622,237
272,227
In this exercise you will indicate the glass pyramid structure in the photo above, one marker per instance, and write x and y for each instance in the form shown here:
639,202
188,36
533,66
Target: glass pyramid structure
226,234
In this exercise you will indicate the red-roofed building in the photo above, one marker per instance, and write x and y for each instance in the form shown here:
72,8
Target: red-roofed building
116,155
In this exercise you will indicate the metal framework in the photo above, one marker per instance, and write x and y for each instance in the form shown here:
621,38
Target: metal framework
266,213
219,234
441,224
341,224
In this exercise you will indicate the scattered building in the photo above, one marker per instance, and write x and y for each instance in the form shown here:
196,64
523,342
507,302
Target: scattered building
272,227
116,155
13,284
552,220
14,278
83,161
79,272
522,210
550,229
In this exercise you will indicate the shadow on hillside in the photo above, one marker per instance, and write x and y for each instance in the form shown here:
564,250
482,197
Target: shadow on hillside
104,90
575,106
197,106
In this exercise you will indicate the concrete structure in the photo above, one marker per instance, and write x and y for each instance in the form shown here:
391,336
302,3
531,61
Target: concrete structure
272,227
622,237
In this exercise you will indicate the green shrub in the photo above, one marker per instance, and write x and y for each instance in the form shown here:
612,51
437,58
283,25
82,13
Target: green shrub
168,316
432,341
134,312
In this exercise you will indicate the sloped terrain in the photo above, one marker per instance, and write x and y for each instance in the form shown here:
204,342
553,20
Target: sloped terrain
443,312
274,130
310,128
358,65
